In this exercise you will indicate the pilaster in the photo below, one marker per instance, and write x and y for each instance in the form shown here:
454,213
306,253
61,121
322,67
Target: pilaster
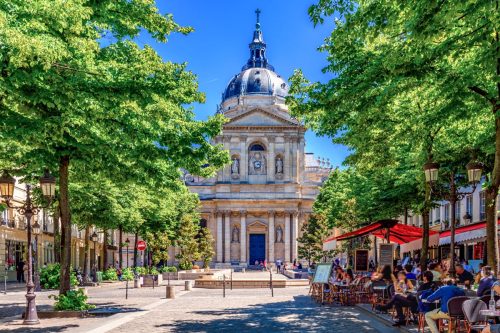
271,236
227,236
287,236
219,236
295,234
243,236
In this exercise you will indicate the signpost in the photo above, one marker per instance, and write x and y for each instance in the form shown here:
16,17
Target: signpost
386,255
321,275
141,245
361,260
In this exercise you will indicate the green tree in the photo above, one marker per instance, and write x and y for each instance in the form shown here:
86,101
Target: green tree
206,246
186,242
310,244
70,100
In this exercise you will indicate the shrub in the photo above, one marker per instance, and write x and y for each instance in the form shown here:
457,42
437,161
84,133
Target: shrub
165,269
127,274
141,270
74,300
185,265
49,277
110,275
153,270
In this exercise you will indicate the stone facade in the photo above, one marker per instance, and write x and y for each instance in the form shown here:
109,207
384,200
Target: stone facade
271,183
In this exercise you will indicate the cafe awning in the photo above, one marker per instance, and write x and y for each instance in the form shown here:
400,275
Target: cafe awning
417,243
471,232
398,233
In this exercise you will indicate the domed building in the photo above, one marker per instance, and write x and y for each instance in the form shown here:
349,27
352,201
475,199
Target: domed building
255,206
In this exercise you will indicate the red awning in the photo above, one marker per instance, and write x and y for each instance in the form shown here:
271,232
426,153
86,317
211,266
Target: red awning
398,233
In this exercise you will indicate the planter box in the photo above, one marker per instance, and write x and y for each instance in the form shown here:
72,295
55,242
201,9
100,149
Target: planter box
150,279
171,275
59,314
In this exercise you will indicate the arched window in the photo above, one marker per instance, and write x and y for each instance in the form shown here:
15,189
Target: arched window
203,223
257,147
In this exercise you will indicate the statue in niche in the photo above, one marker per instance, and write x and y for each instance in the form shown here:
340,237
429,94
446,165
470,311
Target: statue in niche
235,166
279,235
236,235
279,165
257,165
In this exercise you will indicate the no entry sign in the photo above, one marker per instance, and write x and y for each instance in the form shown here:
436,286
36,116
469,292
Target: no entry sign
141,245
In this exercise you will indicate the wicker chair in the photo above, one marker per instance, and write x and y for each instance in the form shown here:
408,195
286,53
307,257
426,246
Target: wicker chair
473,319
456,313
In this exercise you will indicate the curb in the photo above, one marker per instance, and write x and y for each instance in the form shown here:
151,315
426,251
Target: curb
382,319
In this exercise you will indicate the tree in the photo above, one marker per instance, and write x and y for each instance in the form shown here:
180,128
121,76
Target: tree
404,76
314,232
186,243
69,100
206,246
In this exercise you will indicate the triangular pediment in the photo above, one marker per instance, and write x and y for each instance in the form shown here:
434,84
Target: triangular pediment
259,117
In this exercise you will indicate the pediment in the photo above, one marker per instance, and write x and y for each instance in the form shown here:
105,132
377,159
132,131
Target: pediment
259,117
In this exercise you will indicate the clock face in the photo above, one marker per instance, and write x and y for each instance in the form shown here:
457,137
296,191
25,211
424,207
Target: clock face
257,164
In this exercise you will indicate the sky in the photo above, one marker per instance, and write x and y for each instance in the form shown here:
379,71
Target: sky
218,48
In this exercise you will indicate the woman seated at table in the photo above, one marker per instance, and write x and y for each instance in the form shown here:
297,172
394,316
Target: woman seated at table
386,275
339,274
400,299
377,274
348,276
486,282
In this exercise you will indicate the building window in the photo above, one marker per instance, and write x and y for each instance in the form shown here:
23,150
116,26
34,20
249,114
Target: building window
482,205
469,207
438,215
447,213
257,147
458,218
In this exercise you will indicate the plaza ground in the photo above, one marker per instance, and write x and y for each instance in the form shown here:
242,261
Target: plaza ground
199,310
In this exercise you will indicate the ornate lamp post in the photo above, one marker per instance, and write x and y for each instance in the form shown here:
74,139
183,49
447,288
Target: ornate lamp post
453,195
127,241
28,209
36,230
94,238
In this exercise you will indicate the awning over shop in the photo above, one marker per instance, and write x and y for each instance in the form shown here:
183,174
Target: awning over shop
471,232
398,233
417,243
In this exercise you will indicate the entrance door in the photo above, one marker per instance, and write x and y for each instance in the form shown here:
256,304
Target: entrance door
257,248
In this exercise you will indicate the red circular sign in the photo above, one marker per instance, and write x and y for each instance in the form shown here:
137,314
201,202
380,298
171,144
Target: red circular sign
141,245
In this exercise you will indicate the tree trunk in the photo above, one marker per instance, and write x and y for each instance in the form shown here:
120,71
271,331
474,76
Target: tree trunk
105,250
120,247
491,228
57,234
135,248
86,260
65,225
425,229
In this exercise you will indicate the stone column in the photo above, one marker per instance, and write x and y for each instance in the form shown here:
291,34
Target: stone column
219,236
227,236
295,235
271,168
295,158
243,236
287,162
302,166
271,236
243,158
287,236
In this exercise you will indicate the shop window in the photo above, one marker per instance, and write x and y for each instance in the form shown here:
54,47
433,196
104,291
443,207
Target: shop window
482,205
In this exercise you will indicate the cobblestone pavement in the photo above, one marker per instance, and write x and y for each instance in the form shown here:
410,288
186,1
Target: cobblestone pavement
204,310
242,310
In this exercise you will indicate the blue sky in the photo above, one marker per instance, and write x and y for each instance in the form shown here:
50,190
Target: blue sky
218,48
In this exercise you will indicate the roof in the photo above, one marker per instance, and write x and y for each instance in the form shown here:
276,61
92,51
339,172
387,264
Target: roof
398,232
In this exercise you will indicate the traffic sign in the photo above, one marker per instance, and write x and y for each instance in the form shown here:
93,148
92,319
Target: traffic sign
141,245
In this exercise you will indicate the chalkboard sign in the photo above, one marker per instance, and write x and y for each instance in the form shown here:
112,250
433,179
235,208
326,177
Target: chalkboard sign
322,273
386,255
361,261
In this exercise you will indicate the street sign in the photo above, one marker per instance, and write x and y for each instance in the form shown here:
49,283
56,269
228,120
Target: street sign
141,245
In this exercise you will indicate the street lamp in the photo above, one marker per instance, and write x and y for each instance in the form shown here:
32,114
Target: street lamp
127,241
35,230
28,209
453,195
94,239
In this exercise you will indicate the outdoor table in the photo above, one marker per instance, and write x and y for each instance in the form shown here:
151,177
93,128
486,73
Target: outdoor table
490,313
383,288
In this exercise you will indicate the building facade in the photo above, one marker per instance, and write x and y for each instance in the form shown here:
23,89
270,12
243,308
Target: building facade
255,207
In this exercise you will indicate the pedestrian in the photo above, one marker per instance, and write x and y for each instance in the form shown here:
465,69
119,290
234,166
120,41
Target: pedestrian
19,271
278,266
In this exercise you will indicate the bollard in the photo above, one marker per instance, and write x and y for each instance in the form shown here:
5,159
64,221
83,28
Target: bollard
137,283
231,279
224,285
187,285
5,284
126,289
271,283
170,292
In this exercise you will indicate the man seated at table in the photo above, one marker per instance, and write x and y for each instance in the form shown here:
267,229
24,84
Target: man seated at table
463,275
486,282
496,327
409,272
443,294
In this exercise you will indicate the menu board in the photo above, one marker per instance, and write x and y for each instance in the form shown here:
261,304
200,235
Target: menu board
386,255
322,273
361,261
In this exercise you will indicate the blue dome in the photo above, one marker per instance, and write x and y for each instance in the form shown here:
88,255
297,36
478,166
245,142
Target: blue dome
256,81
